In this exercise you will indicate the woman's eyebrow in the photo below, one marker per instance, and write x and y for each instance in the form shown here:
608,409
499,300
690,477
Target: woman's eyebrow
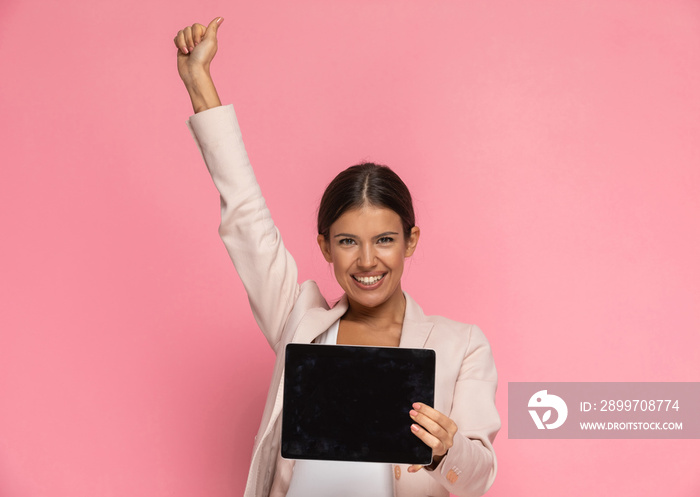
386,233
380,235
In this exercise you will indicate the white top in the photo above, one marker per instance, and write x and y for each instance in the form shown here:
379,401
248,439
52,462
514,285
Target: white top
339,478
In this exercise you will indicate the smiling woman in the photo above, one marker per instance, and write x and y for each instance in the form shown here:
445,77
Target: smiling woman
367,248
366,229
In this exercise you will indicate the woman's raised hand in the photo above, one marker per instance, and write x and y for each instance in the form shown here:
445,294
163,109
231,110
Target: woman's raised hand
196,48
435,429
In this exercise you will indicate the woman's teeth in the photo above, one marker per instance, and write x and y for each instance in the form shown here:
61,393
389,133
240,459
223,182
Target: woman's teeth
368,280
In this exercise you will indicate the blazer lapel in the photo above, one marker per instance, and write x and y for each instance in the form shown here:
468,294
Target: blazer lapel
416,328
318,320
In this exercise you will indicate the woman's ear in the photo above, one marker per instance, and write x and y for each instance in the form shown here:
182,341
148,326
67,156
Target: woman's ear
325,248
412,241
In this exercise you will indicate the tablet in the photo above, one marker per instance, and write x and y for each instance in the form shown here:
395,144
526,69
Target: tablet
351,403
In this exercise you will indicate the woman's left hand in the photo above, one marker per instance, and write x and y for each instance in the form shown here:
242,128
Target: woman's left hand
435,429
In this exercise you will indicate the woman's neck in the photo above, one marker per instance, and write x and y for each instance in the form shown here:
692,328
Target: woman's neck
383,316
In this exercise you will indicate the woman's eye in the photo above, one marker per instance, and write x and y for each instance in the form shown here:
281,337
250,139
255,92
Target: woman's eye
385,239
346,241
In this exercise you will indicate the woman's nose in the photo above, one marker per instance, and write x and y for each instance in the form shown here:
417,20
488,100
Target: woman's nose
367,256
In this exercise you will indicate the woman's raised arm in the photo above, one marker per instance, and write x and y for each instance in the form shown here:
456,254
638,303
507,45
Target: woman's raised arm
267,270
196,48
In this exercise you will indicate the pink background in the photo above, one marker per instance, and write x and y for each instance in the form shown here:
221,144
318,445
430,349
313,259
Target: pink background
552,148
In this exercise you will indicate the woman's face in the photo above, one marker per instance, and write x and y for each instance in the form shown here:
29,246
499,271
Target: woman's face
367,248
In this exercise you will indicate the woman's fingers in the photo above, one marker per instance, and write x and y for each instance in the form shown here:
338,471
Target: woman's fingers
197,33
188,38
180,42
439,442
191,36
426,413
431,427
429,439
435,429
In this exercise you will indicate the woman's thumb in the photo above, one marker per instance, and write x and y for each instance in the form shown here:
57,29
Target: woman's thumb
213,27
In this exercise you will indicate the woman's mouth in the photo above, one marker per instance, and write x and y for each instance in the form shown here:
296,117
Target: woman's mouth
368,281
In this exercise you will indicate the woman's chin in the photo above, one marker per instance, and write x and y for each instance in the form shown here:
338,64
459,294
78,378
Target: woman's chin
370,298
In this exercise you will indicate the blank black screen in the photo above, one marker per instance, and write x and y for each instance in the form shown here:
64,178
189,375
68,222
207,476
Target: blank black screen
351,403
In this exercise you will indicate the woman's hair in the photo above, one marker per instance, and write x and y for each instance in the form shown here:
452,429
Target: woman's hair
365,184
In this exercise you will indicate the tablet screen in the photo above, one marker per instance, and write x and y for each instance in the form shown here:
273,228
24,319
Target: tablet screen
351,403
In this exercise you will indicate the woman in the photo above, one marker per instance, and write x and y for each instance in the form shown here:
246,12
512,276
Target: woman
366,230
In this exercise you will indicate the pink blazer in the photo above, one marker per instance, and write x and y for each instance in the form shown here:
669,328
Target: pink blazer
288,311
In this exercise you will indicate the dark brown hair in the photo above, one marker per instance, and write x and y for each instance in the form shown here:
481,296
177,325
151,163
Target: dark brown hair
365,184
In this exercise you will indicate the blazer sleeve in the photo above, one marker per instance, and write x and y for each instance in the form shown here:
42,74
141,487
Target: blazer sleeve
267,270
469,468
